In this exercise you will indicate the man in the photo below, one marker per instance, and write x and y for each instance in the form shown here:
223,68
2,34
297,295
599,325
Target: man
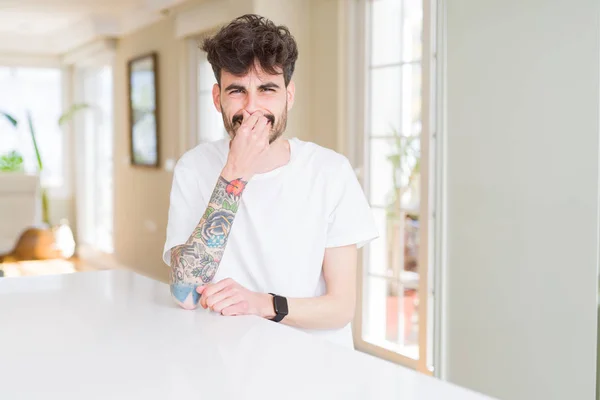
280,220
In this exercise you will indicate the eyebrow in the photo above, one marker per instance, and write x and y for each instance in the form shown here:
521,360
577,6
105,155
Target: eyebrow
268,85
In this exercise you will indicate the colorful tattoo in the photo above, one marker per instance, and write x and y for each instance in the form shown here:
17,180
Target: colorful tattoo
236,187
196,262
217,227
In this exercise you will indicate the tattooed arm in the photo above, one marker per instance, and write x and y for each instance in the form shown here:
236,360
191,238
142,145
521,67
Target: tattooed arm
195,262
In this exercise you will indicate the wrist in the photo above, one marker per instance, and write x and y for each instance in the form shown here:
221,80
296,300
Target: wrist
230,173
267,309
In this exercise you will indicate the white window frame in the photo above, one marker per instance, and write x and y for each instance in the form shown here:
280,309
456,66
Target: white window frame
95,55
357,20
86,159
439,150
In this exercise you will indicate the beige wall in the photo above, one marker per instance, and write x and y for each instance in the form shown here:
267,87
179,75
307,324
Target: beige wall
324,44
141,194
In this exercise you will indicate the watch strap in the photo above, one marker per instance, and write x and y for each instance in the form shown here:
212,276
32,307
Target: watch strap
278,315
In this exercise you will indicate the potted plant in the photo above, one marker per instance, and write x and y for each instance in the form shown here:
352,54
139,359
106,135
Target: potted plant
62,120
404,160
13,160
40,243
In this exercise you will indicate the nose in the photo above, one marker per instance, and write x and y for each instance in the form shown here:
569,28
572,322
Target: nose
252,104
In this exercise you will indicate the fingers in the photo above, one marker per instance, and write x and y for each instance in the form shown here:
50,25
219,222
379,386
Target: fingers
250,120
240,308
255,124
218,297
211,289
246,115
230,300
259,128
224,297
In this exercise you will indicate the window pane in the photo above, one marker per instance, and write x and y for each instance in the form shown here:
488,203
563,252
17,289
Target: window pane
385,99
95,151
381,172
394,124
386,31
206,77
394,173
391,318
395,106
377,249
210,123
411,99
391,315
412,30
37,90
104,166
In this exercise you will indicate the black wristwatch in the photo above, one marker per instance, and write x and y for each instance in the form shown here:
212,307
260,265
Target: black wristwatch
280,306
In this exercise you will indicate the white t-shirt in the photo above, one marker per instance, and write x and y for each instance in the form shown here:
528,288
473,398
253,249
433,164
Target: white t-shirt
286,219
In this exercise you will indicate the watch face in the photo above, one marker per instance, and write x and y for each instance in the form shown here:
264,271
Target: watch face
281,307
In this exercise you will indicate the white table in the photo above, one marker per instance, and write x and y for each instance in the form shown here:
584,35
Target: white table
118,335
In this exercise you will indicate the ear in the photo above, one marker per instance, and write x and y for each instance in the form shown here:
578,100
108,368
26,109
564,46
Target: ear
291,94
216,95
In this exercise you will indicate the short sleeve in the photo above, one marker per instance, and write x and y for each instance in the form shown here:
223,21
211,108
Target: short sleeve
351,221
186,204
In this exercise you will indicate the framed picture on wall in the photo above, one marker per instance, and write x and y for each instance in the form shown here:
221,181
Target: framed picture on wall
143,110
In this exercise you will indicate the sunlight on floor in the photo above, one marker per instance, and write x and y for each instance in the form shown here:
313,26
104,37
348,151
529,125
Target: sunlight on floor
42,267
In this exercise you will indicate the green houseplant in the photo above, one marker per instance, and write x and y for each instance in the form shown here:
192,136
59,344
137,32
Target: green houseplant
14,161
11,162
404,160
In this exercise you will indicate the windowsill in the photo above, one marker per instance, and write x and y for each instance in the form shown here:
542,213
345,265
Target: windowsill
410,351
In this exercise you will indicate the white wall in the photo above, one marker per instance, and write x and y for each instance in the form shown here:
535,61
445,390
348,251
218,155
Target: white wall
522,165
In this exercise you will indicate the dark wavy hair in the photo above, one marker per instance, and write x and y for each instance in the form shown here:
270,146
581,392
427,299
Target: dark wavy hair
236,46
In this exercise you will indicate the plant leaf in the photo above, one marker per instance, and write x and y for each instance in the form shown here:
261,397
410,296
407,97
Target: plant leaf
11,162
206,259
70,113
226,205
35,146
10,118
209,211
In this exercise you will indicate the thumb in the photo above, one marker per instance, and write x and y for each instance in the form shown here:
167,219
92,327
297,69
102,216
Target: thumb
200,289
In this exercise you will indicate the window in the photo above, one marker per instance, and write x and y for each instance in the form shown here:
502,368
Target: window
210,122
205,122
39,91
395,321
95,158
